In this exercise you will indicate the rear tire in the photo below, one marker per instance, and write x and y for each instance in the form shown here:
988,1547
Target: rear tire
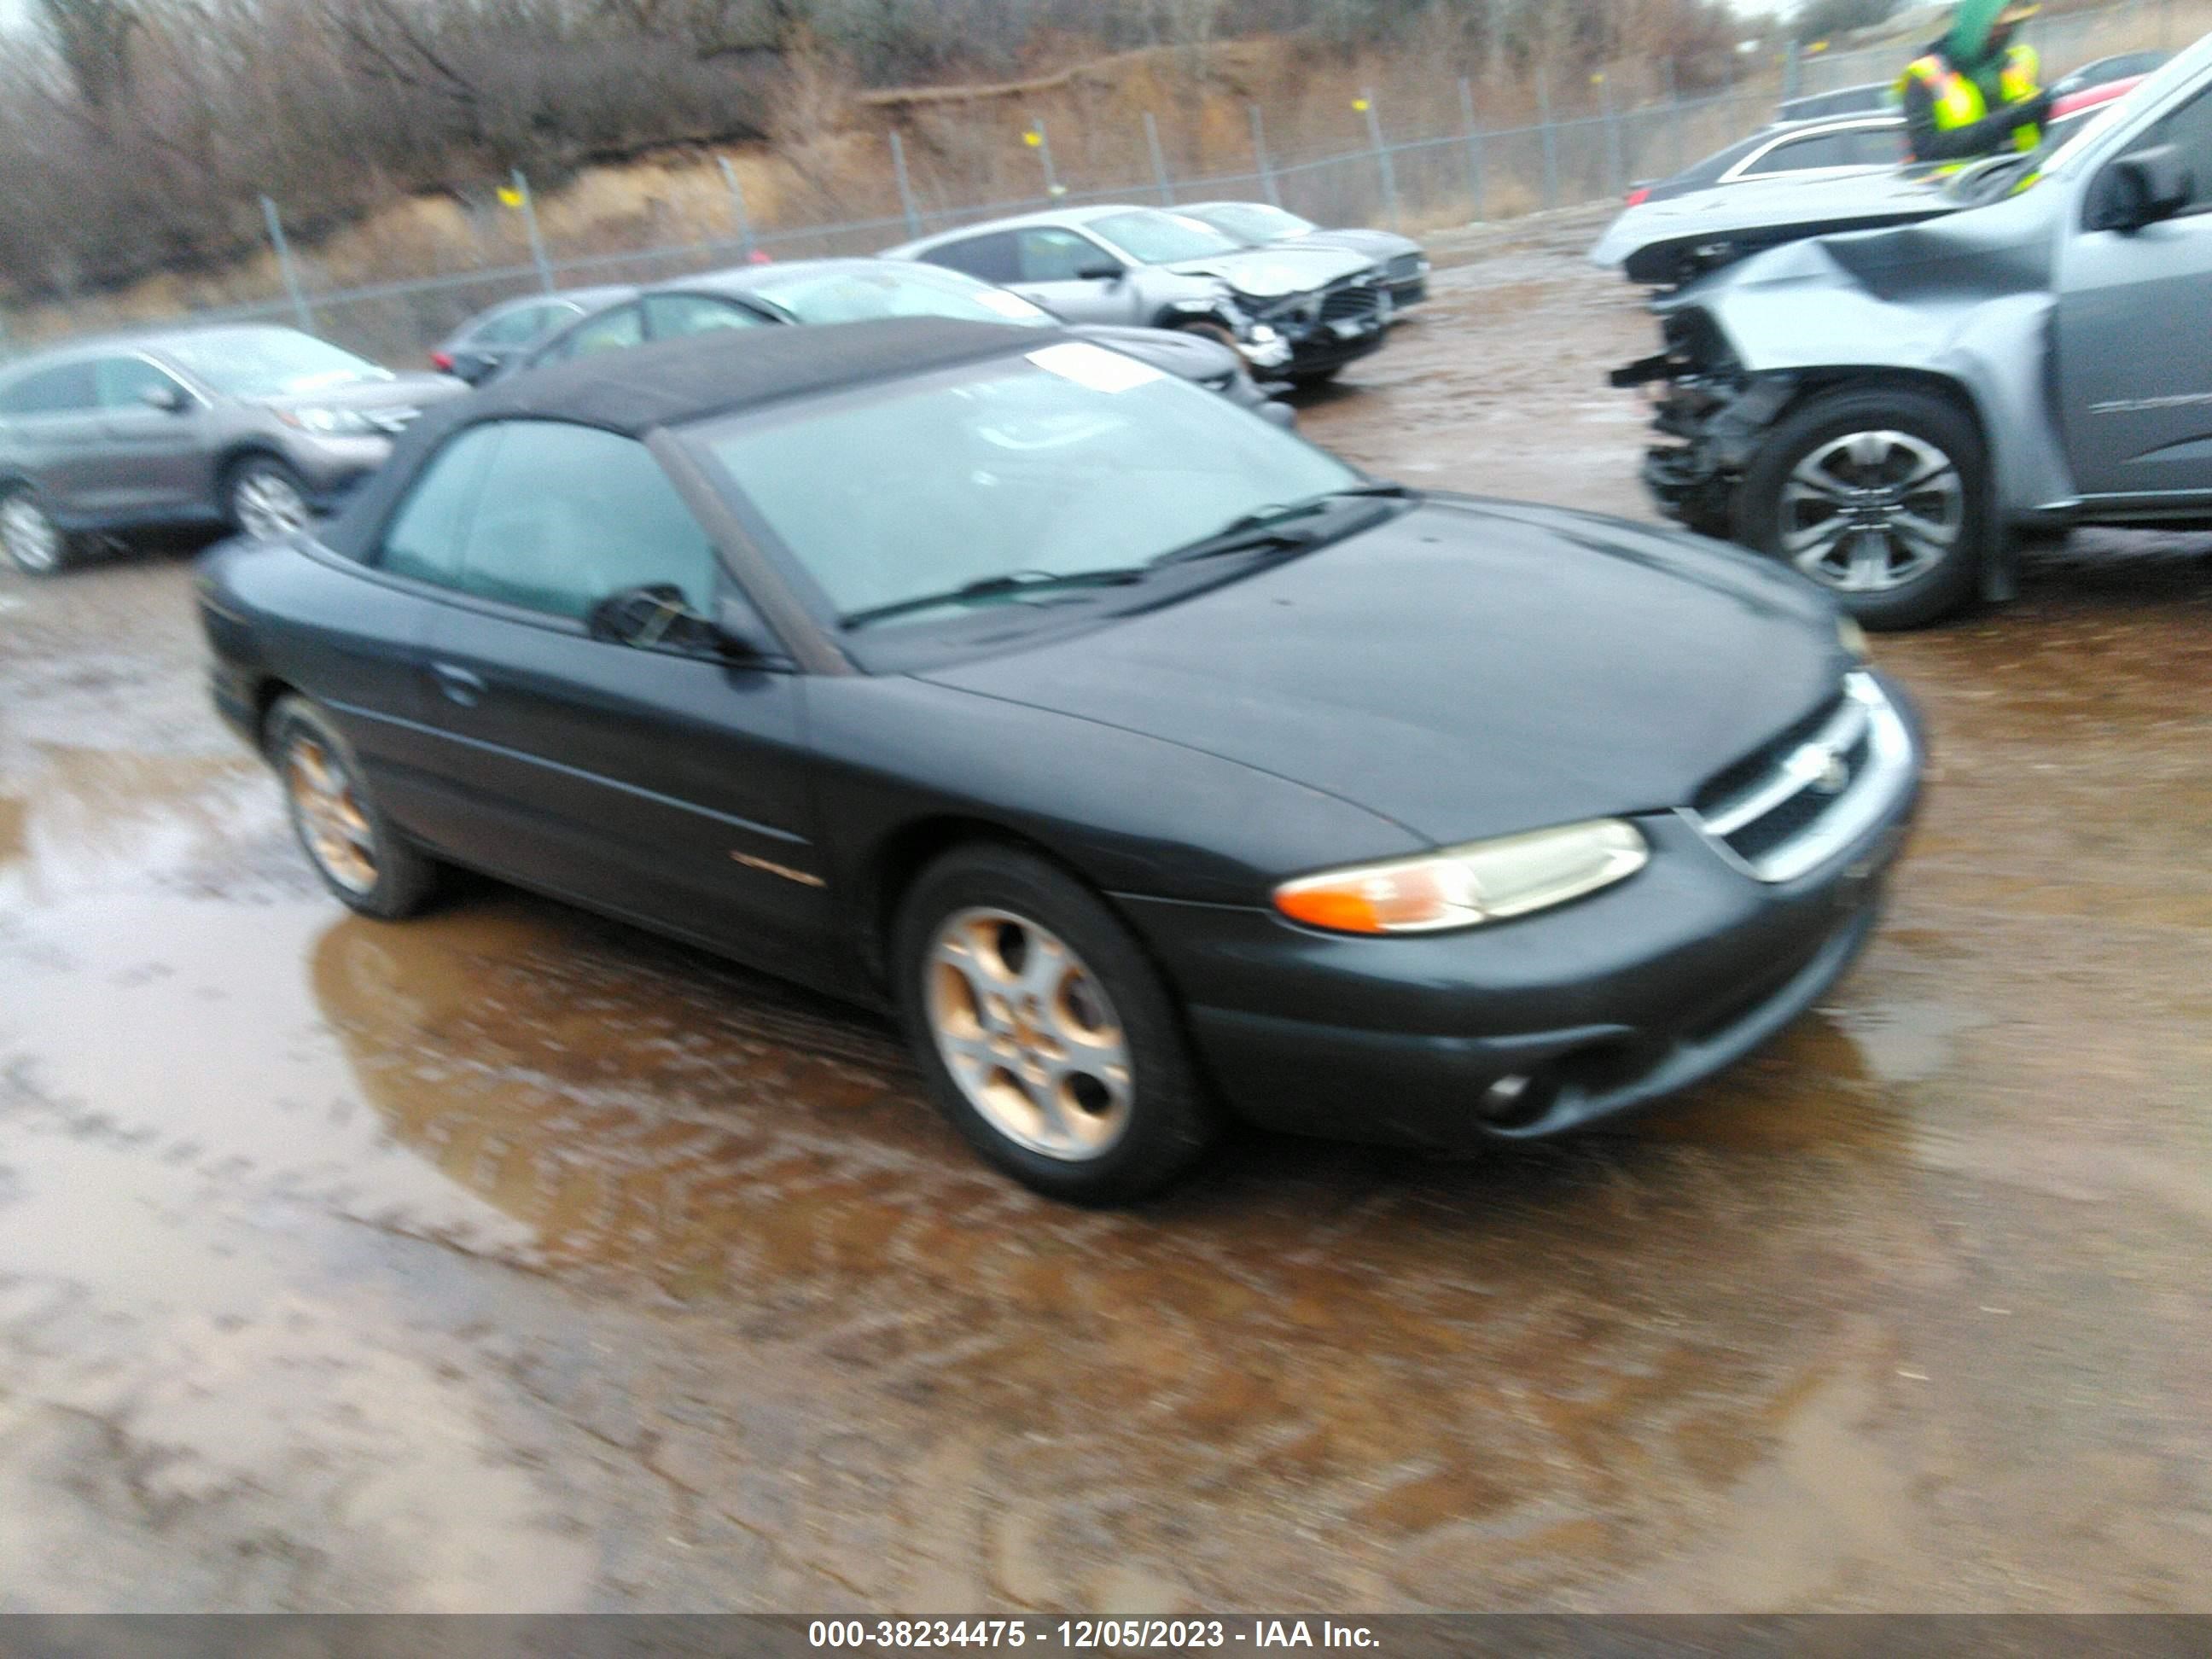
362,857
1042,1031
1880,494
34,542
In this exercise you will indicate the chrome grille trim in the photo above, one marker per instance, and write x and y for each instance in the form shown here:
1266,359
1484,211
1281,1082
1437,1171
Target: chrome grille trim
1798,772
1343,303
1867,728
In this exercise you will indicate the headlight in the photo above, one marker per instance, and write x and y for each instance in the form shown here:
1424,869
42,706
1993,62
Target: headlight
1853,639
329,423
1462,886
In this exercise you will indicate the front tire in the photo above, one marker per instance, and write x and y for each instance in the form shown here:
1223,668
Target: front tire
362,857
1043,1032
1880,494
34,543
264,500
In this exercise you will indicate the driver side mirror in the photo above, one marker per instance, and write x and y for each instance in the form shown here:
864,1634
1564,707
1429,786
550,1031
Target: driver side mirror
165,396
1099,270
2144,187
659,617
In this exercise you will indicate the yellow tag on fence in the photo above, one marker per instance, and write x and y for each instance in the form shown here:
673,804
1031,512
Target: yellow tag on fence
509,195
1033,139
1360,104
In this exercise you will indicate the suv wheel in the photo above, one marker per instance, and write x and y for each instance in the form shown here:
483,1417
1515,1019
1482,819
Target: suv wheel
265,499
1041,1031
34,543
361,858
1878,495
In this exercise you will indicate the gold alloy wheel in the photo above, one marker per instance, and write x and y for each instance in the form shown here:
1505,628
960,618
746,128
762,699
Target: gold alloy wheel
331,822
1029,1033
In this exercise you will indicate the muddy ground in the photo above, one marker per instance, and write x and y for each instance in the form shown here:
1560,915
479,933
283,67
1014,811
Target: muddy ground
514,1259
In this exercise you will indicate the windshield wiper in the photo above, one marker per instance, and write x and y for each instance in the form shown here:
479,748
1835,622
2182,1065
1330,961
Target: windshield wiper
991,587
1278,525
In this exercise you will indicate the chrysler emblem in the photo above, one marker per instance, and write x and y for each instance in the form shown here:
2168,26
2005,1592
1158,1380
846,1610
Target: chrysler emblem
1821,767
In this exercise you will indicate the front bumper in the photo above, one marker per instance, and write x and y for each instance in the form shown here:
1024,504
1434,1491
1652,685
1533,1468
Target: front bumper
1322,347
1709,426
1601,1006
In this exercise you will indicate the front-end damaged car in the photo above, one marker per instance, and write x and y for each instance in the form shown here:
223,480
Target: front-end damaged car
1890,410
1298,314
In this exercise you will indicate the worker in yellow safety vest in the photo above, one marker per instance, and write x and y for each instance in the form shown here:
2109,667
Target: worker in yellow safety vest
1973,92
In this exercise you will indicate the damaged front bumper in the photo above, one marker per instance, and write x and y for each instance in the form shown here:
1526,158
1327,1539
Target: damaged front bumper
1709,418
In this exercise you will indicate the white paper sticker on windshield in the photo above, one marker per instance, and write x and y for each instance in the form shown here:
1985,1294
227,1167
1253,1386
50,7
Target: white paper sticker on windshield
1089,365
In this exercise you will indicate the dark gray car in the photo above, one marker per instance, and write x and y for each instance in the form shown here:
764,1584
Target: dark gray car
831,291
255,427
1890,410
1262,224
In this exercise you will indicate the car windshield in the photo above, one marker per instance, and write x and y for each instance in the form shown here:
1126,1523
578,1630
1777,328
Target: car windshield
859,296
1158,239
1256,222
1065,462
270,362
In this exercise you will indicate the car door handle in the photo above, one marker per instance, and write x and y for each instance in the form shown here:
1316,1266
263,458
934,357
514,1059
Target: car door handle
458,684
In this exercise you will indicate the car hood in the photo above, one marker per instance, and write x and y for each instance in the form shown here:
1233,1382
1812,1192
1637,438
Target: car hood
1308,268
1466,669
400,391
1376,245
1174,351
1661,241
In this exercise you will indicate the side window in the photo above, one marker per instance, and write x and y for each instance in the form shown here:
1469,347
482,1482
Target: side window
62,390
1819,149
1877,147
520,327
1049,255
991,257
423,538
570,514
611,331
123,382
671,316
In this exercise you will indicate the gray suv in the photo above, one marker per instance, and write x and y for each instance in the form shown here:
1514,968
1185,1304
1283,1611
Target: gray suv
1894,410
255,427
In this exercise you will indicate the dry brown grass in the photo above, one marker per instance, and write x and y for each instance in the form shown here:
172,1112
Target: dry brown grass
830,163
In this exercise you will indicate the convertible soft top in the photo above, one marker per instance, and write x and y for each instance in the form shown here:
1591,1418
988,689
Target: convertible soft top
674,381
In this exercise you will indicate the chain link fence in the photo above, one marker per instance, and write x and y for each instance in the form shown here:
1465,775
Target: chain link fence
1471,172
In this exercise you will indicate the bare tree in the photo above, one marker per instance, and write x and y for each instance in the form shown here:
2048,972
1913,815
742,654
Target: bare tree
93,39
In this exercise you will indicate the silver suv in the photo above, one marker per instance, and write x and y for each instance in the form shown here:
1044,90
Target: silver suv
1953,368
255,427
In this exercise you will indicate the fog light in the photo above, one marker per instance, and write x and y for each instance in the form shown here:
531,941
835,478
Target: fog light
1519,1100
1500,1099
